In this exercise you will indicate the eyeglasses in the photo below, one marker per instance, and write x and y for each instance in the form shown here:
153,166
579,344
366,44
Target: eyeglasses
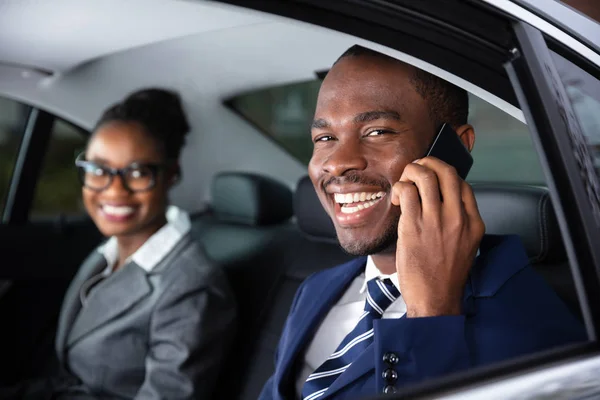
135,177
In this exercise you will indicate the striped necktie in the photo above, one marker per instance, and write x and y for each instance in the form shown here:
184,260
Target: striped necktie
380,295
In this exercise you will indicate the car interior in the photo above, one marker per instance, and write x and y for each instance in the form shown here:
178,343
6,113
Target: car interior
248,80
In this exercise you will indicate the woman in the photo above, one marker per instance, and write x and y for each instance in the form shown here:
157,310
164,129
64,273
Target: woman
146,316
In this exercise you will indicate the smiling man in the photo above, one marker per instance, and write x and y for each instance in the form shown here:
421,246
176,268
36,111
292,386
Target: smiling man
405,312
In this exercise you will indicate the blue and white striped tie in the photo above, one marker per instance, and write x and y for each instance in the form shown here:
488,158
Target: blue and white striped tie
380,295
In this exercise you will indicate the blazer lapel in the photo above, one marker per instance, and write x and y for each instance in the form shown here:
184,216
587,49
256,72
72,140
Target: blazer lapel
112,297
362,365
94,264
317,303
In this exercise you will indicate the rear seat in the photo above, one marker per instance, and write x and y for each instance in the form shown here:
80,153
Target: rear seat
249,233
267,256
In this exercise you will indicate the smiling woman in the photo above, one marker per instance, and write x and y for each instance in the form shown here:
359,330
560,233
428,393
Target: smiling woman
147,299
126,178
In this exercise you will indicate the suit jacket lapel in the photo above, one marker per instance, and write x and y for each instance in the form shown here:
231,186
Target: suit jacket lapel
93,265
362,365
112,297
317,303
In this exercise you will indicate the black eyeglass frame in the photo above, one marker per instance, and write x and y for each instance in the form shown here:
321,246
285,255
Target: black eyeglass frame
82,164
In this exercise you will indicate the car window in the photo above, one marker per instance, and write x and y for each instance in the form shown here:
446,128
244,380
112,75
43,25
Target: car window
283,113
503,149
13,118
583,90
57,190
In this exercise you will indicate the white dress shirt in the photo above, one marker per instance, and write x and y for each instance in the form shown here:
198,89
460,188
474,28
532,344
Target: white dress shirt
342,318
150,254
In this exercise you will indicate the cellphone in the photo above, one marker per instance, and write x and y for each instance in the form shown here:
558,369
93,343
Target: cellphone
448,147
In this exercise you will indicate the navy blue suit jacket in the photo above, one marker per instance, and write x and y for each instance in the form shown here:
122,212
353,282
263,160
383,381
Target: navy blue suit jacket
508,311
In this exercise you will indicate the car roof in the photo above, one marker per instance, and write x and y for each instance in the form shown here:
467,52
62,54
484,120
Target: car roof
563,16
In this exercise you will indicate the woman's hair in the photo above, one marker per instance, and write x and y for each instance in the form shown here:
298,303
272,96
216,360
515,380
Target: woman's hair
159,112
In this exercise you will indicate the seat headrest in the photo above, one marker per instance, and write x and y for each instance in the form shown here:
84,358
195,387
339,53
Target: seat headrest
250,199
311,217
506,209
526,211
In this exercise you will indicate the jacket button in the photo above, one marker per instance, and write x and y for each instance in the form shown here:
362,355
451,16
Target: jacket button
390,358
389,389
390,375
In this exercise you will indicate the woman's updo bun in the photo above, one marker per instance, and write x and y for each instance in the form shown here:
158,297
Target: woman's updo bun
159,112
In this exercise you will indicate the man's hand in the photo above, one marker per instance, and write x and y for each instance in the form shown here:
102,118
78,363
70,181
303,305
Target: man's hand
437,240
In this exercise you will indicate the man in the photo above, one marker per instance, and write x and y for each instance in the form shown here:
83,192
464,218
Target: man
406,312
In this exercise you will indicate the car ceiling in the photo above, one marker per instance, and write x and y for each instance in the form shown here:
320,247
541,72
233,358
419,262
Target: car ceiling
58,35
98,51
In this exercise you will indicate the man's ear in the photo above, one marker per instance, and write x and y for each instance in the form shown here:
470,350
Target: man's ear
466,133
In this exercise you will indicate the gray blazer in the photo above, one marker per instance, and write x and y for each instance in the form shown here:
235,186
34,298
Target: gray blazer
148,335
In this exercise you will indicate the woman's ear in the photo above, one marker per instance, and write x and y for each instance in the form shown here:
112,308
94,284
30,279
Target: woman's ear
175,175
466,133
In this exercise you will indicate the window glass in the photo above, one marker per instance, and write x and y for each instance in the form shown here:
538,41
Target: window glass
584,92
58,190
13,118
503,149
283,113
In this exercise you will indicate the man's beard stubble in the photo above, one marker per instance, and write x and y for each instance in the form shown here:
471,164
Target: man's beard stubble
384,243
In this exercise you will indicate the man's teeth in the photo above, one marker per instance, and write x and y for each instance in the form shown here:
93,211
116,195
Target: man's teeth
118,211
349,198
365,199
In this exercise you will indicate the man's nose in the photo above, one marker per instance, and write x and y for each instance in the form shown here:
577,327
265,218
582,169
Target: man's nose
345,157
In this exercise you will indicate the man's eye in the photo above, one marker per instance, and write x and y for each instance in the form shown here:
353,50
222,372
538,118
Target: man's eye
377,132
323,139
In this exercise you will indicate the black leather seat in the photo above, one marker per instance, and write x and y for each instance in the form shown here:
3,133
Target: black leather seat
249,233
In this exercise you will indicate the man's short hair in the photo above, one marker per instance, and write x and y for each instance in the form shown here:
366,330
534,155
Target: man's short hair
447,102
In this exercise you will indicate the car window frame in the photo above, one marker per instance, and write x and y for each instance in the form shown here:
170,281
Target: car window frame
35,141
572,181
23,137
559,140
61,216
367,20
27,168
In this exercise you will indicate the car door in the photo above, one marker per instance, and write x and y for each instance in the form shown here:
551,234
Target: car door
559,90
44,234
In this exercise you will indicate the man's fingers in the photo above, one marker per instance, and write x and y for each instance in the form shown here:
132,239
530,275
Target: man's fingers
450,183
427,184
471,209
405,195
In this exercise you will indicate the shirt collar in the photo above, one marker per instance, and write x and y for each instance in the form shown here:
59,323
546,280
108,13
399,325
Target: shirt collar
371,272
156,247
